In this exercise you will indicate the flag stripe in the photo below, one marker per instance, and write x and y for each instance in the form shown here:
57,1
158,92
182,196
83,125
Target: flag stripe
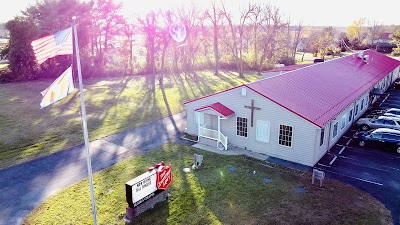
59,89
50,46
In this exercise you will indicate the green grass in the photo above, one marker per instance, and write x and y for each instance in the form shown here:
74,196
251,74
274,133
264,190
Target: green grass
214,195
112,105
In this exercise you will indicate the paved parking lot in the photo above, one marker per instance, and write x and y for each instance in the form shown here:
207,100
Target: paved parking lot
372,170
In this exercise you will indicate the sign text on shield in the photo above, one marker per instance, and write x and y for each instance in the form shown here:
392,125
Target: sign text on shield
164,177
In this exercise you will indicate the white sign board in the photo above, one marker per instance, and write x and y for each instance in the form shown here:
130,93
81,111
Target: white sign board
319,175
143,186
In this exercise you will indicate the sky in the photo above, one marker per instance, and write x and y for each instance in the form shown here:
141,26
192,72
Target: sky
309,12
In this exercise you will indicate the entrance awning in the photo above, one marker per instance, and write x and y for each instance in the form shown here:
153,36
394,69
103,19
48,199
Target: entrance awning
219,108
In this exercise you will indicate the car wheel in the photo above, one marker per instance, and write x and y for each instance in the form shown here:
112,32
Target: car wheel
364,127
361,143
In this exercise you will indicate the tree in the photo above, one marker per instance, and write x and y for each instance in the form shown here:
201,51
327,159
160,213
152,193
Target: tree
106,18
374,31
214,18
19,51
296,41
357,33
148,27
44,18
396,40
272,35
237,30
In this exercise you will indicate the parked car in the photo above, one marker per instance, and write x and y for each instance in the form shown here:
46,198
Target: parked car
392,112
379,138
378,122
396,85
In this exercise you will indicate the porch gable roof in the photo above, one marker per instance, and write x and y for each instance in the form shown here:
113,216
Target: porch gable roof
219,108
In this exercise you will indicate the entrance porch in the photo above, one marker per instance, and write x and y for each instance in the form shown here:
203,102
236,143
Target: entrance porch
209,124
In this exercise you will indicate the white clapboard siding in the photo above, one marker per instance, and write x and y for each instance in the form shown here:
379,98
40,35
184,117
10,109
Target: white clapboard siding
304,132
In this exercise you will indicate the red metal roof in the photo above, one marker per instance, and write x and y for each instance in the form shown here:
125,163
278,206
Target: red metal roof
218,107
385,36
321,91
288,68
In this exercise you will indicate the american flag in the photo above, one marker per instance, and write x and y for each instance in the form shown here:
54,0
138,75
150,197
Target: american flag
50,46
59,89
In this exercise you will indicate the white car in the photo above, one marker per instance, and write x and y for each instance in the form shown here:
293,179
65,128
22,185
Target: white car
380,122
393,112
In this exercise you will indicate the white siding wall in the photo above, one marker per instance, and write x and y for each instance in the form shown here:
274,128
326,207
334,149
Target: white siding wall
304,132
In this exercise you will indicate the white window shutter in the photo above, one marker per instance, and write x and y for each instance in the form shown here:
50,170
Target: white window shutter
262,131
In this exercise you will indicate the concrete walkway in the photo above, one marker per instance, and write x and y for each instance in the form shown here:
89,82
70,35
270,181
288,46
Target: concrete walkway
233,151
24,187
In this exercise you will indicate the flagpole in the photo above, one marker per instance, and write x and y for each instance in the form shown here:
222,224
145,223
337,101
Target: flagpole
84,124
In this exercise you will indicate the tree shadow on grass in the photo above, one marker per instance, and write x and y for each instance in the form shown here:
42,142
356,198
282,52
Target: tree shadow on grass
168,108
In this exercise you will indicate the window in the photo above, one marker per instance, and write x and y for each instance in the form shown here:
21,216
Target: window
356,110
366,101
390,122
362,105
196,116
350,115
343,122
379,121
241,126
321,141
285,135
262,132
335,130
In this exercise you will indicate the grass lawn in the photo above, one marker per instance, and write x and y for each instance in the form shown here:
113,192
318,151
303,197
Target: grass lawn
113,105
214,194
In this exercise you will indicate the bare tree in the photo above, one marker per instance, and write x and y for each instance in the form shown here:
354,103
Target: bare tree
148,26
214,18
375,30
273,35
237,31
191,18
297,38
257,18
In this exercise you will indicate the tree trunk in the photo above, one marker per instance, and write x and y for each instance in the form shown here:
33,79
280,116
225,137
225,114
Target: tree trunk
216,53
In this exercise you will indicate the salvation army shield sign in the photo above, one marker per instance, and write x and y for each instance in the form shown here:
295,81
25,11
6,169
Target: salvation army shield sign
164,177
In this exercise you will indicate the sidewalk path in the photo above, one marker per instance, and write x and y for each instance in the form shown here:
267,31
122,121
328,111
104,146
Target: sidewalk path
24,187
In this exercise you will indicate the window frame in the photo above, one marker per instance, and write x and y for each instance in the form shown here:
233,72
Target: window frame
247,127
322,137
343,122
290,138
350,115
335,129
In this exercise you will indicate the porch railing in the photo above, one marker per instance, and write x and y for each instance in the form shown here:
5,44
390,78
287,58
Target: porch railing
213,134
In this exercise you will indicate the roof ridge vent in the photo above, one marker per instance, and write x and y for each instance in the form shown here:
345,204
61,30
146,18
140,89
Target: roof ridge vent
360,54
365,58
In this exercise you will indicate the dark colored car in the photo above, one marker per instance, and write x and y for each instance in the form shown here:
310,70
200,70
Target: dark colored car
379,138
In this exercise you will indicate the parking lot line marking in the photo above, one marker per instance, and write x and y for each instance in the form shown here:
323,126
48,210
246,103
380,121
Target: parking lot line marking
333,160
357,178
348,142
319,164
342,150
355,162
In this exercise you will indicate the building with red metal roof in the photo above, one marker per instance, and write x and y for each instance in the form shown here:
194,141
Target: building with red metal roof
298,115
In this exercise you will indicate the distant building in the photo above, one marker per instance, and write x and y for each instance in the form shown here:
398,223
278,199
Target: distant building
296,116
383,44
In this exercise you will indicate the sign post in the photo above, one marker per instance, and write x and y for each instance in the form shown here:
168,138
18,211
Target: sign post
319,175
148,189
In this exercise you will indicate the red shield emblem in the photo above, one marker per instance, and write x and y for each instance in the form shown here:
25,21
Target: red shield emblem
164,177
